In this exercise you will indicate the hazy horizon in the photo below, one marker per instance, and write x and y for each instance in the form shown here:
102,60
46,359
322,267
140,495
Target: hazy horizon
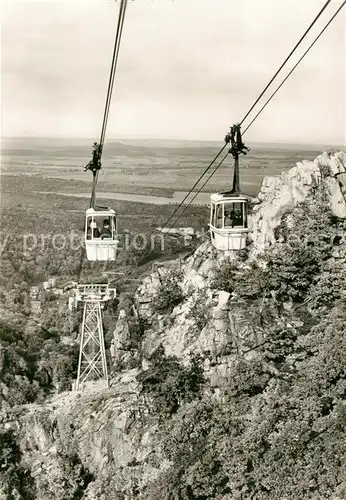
162,140
186,70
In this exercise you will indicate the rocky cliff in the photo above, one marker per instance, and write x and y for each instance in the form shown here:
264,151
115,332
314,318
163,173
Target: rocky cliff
107,444
280,194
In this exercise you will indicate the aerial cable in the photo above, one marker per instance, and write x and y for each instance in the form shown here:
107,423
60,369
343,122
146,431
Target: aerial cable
132,272
221,162
286,60
305,53
113,68
197,193
193,187
294,67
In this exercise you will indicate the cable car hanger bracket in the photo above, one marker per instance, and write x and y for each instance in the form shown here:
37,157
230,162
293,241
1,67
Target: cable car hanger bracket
237,148
95,164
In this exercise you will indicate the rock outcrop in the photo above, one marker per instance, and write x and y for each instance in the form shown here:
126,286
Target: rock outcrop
122,350
280,194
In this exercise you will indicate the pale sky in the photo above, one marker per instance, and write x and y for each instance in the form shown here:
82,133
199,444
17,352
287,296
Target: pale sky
187,69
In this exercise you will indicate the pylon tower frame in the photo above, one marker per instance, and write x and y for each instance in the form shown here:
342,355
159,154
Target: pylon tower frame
92,362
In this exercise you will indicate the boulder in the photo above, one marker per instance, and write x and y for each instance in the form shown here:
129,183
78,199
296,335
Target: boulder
337,199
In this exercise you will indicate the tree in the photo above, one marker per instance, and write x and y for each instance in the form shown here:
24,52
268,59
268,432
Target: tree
169,295
169,383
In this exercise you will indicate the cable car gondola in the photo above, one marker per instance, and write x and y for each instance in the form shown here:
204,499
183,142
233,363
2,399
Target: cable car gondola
228,210
228,221
101,241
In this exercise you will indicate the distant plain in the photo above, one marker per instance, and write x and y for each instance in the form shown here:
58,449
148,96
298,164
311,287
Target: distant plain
45,175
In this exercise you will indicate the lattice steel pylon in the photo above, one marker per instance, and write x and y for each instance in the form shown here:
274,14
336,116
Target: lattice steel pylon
92,363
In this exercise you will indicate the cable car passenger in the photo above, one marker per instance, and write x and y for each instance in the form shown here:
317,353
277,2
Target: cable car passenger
228,221
218,216
92,231
237,217
106,231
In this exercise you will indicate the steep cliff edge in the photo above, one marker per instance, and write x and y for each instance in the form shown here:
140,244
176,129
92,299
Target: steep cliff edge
239,371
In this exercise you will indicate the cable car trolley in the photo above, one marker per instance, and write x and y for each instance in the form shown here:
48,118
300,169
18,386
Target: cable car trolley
228,211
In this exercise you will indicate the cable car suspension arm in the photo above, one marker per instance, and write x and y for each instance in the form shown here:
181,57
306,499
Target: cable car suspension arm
237,148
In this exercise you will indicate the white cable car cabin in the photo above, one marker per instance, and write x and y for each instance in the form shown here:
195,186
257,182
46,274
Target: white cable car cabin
228,221
101,242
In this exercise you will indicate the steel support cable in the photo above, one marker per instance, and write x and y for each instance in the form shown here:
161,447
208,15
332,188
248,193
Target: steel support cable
267,102
219,165
113,69
133,272
294,67
195,184
109,91
286,60
197,193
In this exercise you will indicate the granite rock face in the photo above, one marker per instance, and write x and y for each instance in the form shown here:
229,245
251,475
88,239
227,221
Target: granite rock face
280,194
